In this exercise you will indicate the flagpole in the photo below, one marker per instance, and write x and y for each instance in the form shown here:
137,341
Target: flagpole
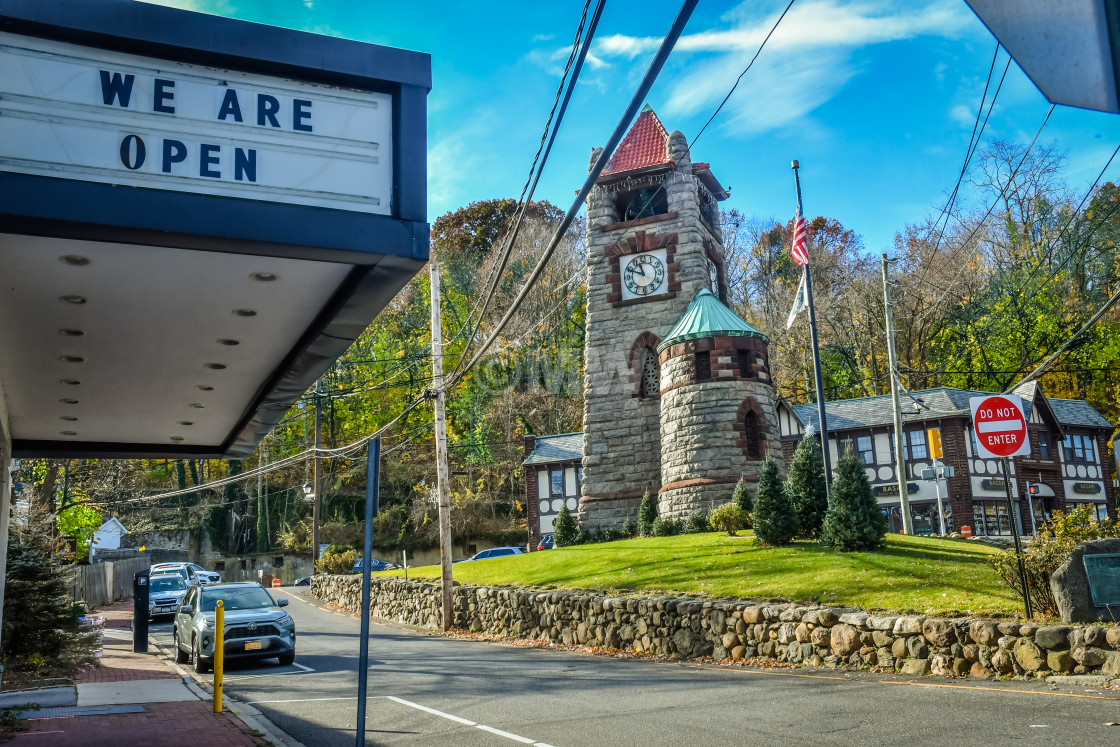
816,349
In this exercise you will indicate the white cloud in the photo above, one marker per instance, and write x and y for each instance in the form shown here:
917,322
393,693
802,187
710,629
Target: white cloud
806,62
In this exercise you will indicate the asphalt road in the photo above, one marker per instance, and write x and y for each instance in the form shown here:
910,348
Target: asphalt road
429,690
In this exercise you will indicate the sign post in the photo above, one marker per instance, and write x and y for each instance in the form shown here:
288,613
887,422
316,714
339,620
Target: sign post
1001,432
937,451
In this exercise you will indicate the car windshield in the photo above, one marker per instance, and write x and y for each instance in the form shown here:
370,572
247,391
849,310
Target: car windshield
236,598
180,572
167,582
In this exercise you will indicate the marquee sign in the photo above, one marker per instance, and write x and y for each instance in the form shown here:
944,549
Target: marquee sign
199,215
116,118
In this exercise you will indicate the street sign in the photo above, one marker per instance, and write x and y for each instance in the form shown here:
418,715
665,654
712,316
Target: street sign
1001,428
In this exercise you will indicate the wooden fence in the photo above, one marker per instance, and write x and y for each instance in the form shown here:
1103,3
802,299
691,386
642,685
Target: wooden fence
103,583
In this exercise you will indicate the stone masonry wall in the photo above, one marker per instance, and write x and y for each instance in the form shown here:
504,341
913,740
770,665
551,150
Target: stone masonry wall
701,449
622,441
690,628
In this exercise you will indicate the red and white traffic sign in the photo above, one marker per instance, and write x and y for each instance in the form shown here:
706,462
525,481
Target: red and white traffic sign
1001,428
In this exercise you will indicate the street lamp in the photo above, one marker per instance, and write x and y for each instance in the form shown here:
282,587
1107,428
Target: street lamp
308,492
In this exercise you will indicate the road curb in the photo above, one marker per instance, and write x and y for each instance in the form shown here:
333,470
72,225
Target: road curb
249,715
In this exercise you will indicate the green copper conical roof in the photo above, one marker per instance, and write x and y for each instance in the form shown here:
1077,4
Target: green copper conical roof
708,317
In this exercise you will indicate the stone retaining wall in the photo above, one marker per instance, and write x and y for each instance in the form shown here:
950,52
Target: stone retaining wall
689,628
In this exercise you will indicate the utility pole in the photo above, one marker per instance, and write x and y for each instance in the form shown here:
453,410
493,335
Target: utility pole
441,454
899,442
316,474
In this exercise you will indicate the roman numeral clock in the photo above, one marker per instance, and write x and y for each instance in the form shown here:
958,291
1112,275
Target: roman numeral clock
645,275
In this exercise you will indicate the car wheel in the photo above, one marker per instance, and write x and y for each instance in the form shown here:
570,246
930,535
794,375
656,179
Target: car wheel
286,659
180,655
201,666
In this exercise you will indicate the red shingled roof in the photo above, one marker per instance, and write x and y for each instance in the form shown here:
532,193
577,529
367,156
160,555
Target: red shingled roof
647,144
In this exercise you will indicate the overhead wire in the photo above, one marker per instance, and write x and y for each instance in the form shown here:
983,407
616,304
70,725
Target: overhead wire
580,49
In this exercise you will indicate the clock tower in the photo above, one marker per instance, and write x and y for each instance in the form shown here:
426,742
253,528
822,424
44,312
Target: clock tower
653,242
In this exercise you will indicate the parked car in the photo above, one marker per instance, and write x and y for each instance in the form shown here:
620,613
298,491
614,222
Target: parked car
183,570
205,576
165,592
374,565
195,571
304,581
496,552
255,625
546,543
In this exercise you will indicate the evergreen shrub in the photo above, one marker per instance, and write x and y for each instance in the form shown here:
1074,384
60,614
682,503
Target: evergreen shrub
647,514
565,531
854,522
667,527
774,521
697,522
808,492
743,499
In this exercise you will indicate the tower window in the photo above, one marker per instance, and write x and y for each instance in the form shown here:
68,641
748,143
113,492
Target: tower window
704,366
744,363
643,203
752,436
713,277
651,374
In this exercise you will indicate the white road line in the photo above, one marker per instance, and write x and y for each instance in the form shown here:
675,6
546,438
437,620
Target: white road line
301,700
506,734
432,711
465,722
300,666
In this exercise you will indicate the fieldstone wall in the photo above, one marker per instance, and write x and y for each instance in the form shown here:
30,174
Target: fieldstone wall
690,628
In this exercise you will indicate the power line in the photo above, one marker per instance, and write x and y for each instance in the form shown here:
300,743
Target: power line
575,65
1046,363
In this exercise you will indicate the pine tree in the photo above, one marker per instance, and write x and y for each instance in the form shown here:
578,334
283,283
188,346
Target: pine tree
647,514
854,522
808,492
774,521
565,532
742,498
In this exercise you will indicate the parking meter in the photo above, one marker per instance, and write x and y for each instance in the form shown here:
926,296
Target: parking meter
140,613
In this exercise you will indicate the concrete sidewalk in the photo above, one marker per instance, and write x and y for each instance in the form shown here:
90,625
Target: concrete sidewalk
133,699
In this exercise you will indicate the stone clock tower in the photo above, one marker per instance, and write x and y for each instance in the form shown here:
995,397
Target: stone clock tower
653,244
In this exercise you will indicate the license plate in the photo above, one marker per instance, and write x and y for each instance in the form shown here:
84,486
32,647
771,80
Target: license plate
252,645
163,609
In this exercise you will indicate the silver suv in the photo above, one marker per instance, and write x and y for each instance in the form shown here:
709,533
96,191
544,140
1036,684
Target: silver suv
255,627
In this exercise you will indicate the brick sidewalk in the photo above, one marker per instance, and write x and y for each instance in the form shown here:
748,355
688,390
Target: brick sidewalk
185,723
177,723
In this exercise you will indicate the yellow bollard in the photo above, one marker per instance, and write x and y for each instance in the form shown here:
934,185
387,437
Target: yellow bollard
219,653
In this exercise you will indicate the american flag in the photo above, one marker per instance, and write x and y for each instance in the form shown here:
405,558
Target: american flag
798,251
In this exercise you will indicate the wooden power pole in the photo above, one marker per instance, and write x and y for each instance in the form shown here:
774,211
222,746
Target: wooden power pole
316,475
441,455
899,436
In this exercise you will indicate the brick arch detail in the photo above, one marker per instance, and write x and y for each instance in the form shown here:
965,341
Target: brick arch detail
643,341
750,405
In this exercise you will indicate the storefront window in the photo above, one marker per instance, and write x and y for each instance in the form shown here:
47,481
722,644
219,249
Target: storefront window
991,518
925,519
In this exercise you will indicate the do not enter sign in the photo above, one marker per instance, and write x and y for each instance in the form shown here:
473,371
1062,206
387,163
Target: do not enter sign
1001,429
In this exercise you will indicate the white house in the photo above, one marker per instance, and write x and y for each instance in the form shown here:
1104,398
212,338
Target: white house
107,536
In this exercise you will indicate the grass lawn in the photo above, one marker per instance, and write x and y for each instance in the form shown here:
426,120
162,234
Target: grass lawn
912,574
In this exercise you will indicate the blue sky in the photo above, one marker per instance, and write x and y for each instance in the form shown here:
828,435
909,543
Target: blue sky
876,99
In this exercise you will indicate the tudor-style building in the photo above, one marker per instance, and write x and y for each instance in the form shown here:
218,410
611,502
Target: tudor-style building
1068,463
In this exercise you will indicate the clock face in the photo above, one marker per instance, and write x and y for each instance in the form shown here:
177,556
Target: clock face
644,275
